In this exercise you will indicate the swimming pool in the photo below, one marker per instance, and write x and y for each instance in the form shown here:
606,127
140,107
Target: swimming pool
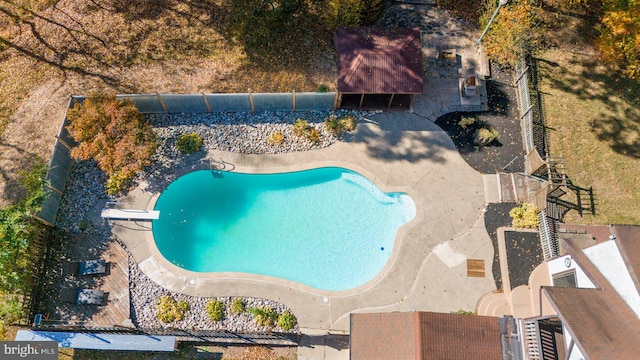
328,228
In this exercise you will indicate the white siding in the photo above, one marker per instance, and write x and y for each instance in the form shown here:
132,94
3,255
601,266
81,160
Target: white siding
607,258
557,266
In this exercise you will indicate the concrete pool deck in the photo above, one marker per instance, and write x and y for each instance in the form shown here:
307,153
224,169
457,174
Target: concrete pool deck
399,151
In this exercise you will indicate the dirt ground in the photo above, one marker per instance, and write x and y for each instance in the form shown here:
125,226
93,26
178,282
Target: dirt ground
58,48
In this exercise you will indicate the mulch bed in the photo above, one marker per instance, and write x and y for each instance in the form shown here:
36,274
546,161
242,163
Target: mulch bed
503,115
497,215
523,255
523,248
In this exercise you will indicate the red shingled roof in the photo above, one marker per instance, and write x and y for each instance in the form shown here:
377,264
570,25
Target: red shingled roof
424,335
376,60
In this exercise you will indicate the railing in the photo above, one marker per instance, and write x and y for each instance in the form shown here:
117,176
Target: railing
526,113
548,238
532,340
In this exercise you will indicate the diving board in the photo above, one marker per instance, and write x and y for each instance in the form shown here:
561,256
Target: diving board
97,341
130,214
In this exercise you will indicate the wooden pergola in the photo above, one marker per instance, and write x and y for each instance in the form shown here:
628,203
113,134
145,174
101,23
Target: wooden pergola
378,68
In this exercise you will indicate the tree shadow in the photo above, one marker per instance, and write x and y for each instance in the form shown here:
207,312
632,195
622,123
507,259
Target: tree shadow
618,123
398,136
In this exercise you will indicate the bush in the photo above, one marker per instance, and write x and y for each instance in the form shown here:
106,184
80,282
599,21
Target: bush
333,125
115,134
322,88
276,138
312,134
485,136
338,126
215,310
264,316
348,123
170,310
237,306
286,321
524,216
189,143
300,127
466,122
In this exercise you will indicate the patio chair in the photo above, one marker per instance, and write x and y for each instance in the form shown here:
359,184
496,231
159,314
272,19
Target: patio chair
88,267
84,296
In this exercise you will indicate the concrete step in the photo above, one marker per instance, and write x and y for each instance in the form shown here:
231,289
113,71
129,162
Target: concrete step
491,189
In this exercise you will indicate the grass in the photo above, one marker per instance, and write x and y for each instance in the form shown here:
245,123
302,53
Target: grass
594,124
147,46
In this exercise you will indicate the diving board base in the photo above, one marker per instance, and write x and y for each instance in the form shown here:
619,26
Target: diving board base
130,214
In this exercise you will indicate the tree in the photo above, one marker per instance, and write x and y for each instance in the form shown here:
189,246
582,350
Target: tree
18,227
619,40
510,32
115,134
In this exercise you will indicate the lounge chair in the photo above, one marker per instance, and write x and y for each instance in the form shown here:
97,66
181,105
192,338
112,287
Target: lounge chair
89,267
84,296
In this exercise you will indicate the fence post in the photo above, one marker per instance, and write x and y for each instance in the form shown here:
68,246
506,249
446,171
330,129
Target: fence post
206,102
253,107
293,100
164,107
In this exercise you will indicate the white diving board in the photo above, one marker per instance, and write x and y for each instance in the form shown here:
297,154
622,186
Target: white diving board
130,214
97,341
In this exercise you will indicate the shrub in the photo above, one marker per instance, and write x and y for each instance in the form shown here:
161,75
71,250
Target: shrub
465,312
312,134
276,138
524,216
485,136
170,310
286,321
215,310
264,316
333,125
348,123
322,88
339,126
466,122
237,306
115,134
189,143
84,225
300,127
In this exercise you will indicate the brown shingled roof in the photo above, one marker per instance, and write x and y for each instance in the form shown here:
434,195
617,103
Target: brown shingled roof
628,241
376,60
600,322
424,335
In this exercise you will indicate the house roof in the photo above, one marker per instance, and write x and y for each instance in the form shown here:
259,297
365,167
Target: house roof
377,60
424,335
599,320
628,241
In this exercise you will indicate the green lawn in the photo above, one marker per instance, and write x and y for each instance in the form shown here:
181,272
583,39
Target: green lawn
593,121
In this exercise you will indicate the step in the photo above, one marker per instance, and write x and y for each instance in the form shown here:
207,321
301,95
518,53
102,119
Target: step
491,192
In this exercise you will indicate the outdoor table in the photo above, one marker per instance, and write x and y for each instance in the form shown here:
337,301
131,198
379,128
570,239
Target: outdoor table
92,267
90,297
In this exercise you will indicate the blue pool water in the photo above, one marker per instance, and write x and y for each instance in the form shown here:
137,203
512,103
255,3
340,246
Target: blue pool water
328,228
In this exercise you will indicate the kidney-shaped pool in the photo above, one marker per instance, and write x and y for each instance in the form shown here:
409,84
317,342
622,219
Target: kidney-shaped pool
328,228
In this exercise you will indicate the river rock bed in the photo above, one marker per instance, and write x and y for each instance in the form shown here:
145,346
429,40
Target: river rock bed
235,132
144,298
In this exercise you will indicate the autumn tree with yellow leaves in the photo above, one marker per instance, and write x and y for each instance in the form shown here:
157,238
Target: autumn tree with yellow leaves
115,134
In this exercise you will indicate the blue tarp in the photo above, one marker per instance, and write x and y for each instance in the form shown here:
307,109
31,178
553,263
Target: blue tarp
93,341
